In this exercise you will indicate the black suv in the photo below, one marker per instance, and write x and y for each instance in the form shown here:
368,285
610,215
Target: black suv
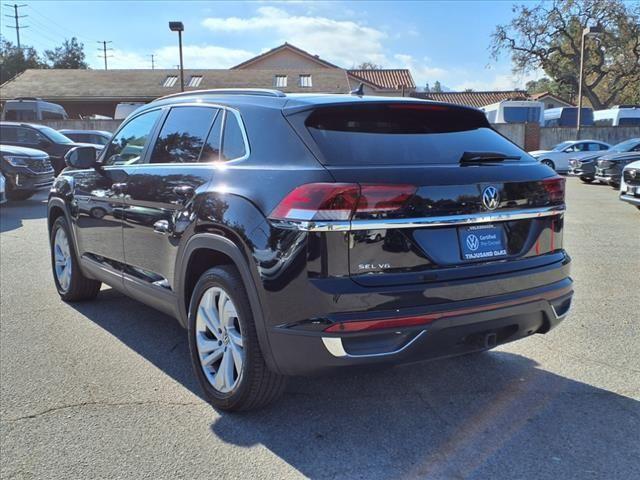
296,234
26,171
39,137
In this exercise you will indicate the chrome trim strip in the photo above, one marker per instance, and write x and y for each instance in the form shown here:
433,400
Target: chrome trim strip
335,347
469,219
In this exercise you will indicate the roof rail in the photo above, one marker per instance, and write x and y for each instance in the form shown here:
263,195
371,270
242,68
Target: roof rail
264,92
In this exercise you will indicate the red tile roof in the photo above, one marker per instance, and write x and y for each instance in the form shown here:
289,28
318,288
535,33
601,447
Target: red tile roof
385,78
537,96
473,99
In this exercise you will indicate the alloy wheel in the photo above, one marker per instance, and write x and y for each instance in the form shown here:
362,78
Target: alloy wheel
62,259
219,340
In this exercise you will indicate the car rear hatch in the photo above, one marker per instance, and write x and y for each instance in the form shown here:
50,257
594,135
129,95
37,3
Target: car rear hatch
426,192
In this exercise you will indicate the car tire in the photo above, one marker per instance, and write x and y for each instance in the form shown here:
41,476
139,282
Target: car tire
587,179
228,364
548,163
70,282
17,195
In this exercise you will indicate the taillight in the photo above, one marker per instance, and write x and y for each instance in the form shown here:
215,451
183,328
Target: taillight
555,189
341,201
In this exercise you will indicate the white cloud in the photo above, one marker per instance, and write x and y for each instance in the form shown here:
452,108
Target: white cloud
421,70
343,42
500,81
194,56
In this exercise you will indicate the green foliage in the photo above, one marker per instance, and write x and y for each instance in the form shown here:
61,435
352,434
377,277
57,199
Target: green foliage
437,88
69,55
548,36
14,61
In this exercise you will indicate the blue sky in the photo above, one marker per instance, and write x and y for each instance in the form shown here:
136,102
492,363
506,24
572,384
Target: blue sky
446,41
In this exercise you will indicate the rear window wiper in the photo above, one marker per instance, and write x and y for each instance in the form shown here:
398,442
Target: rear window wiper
479,157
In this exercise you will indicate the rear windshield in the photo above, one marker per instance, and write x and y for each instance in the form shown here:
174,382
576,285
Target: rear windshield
397,134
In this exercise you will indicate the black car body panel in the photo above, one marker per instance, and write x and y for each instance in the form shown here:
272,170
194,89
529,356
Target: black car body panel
25,169
150,229
40,137
609,167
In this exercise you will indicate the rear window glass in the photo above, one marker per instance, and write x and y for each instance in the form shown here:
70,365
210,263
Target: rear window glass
396,134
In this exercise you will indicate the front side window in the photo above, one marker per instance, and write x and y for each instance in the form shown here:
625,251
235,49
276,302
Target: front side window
183,135
127,145
54,135
232,141
28,136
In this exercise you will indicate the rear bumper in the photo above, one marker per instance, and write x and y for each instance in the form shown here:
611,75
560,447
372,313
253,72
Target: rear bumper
460,327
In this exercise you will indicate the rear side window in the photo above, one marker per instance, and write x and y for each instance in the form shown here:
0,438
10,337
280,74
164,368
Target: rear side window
232,141
397,134
183,135
629,121
211,149
8,134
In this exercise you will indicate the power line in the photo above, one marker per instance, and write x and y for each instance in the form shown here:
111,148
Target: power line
17,20
104,51
54,27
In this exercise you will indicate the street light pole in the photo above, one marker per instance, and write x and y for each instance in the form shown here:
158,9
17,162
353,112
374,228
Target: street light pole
587,32
179,27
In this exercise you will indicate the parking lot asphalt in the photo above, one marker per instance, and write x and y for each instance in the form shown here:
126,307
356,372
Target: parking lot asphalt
104,389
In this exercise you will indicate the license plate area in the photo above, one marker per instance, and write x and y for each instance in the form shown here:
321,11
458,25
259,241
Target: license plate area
482,242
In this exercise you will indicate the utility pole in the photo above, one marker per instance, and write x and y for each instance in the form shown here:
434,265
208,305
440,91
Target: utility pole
17,19
153,65
104,51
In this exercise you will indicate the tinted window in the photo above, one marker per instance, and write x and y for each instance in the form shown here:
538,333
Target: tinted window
46,115
8,134
53,135
403,134
183,135
232,141
127,145
629,121
211,149
595,147
28,136
521,114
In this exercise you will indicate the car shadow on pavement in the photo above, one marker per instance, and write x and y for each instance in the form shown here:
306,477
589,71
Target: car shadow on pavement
12,213
490,415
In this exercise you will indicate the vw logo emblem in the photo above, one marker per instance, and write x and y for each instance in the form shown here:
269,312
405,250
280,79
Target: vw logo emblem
473,242
490,198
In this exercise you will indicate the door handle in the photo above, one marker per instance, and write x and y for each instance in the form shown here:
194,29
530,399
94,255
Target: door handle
184,191
161,227
119,188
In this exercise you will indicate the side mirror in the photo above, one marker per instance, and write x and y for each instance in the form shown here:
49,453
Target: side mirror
81,157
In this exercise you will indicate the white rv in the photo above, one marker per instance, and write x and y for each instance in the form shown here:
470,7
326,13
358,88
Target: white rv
514,111
618,116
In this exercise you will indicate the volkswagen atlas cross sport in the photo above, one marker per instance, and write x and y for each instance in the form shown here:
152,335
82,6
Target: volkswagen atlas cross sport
299,234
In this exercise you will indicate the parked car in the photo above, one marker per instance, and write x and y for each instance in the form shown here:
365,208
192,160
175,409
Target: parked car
297,234
630,184
25,171
558,157
609,167
96,137
40,137
585,167
3,195
29,109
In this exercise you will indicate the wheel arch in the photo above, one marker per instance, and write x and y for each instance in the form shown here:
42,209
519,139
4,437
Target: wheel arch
207,250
